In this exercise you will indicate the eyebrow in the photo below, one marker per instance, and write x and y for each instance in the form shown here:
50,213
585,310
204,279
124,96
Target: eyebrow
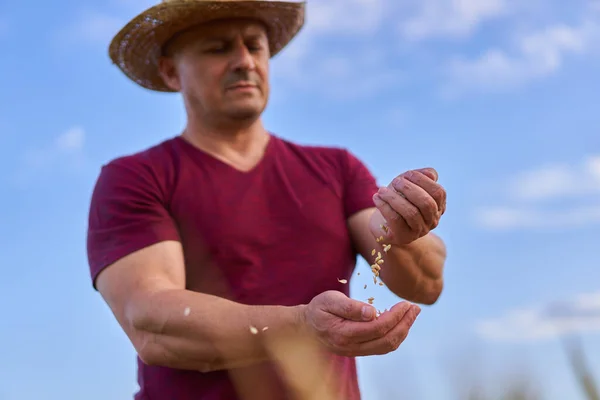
209,39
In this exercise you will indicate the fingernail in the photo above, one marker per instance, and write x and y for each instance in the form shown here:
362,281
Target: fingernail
383,190
417,311
367,313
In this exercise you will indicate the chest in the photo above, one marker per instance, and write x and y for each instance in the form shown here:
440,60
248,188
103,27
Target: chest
278,237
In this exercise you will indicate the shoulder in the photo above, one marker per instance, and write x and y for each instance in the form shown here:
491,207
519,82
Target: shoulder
335,156
152,168
340,158
153,158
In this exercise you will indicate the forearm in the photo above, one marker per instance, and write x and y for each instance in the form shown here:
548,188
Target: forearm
188,330
415,271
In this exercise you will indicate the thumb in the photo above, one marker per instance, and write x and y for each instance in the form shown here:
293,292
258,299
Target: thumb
344,307
430,173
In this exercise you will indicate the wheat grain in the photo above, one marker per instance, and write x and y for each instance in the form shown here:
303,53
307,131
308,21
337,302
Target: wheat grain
253,330
187,311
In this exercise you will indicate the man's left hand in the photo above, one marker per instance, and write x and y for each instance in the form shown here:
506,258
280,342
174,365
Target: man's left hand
412,205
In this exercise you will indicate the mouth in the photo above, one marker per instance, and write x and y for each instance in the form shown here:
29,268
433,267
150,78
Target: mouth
242,86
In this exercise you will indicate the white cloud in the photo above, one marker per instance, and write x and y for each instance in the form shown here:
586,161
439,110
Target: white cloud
303,65
66,147
510,218
575,316
536,55
342,77
454,18
552,182
558,181
350,77
345,16
70,141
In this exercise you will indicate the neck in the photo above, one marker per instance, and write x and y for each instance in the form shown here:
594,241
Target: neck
239,145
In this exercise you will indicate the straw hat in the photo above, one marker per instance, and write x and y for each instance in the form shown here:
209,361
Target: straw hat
136,48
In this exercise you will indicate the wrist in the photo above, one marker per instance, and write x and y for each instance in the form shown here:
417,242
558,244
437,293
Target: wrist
298,318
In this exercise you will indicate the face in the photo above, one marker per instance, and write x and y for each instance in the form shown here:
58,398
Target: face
221,69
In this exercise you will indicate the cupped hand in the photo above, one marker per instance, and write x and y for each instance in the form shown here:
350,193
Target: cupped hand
350,327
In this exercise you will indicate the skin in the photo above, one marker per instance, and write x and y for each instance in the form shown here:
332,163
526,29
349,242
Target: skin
221,71
411,206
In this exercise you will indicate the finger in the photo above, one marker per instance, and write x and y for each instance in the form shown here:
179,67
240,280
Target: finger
360,332
429,172
434,189
393,339
342,306
427,206
392,218
400,207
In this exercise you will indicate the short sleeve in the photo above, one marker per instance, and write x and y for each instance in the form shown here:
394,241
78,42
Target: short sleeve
127,213
359,185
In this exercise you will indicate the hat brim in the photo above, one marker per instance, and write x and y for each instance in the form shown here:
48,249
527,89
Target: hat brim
136,48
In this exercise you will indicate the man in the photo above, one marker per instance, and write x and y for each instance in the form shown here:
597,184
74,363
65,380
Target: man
217,243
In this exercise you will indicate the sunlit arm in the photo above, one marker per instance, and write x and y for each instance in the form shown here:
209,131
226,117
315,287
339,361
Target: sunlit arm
170,326
415,271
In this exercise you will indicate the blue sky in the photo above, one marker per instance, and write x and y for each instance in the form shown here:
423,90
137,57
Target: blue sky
498,96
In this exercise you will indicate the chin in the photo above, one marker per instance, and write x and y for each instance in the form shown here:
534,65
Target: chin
246,113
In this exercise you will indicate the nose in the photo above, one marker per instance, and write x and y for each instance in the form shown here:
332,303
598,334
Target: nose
242,59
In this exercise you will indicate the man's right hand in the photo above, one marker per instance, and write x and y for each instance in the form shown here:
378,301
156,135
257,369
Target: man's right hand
350,327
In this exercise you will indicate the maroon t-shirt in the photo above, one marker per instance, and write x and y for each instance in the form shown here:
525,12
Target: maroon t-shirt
276,235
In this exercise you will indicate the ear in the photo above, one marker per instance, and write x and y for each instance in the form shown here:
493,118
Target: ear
168,72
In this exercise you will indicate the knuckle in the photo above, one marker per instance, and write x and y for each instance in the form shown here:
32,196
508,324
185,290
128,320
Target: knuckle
431,204
390,344
406,185
340,340
439,194
411,214
347,308
381,330
393,216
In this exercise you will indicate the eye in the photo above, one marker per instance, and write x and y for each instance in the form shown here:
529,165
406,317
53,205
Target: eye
216,49
254,46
